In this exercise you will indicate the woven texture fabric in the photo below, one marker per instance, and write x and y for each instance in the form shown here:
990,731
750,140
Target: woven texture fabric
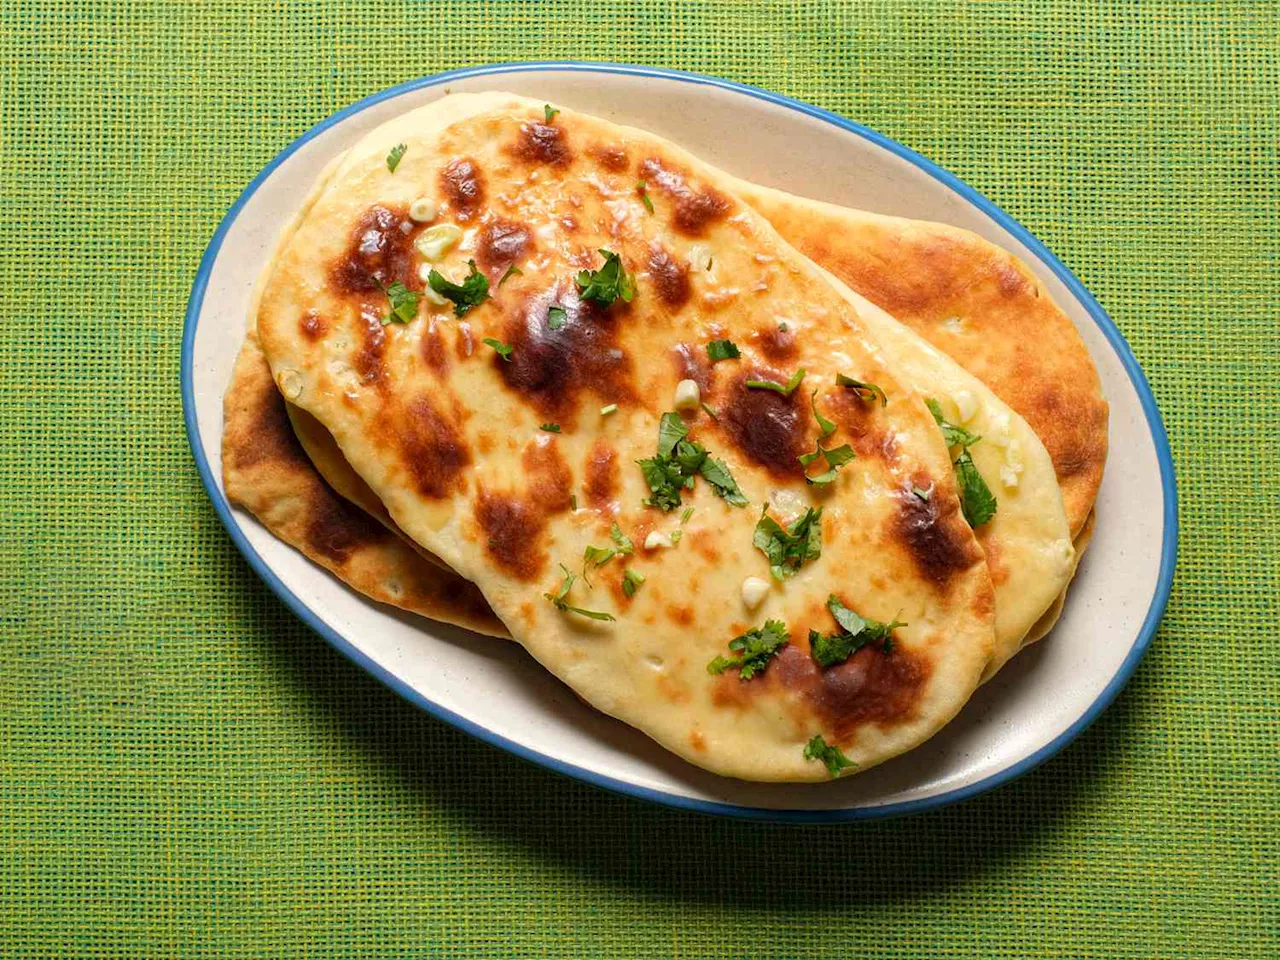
187,771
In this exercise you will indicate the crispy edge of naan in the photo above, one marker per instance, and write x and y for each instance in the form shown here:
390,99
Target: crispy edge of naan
265,471
1050,617
977,303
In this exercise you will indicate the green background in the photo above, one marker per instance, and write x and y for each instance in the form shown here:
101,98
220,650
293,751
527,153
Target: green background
187,771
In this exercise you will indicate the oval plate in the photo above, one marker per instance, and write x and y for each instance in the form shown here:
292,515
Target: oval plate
492,689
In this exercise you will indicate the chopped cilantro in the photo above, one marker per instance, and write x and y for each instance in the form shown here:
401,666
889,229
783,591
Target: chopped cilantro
404,303
631,579
836,458
676,536
922,494
976,500
825,427
621,541
465,296
512,271
953,435
755,649
863,391
835,761
557,317
504,350
561,604
607,284
788,549
723,350
785,389
596,557
550,113
678,462
855,633
716,473
671,430
644,196
608,409
393,158
664,477
549,427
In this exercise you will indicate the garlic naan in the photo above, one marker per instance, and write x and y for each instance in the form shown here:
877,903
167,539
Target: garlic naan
443,418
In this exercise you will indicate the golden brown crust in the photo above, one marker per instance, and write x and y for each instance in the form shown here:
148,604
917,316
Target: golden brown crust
265,470
976,302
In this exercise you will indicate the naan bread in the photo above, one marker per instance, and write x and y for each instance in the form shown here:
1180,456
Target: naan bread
977,303
446,432
265,471
1027,543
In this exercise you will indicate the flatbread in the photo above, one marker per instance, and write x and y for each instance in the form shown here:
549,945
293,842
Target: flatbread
977,303
265,471
1027,543
447,433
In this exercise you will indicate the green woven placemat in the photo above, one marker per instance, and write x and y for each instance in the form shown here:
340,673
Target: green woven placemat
186,771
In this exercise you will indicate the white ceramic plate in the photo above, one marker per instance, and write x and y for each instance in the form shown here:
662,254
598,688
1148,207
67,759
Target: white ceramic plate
492,689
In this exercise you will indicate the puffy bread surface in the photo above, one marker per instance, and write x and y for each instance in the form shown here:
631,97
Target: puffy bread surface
977,303
265,471
446,432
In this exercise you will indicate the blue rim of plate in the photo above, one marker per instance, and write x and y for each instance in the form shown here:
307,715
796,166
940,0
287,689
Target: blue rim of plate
1118,343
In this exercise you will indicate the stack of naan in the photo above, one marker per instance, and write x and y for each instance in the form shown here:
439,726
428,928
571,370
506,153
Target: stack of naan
776,482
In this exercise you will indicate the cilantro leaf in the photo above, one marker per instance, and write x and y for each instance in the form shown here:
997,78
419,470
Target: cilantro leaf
549,112
607,284
723,350
404,303
394,157
644,196
785,389
561,604
671,430
549,427
788,549
622,542
836,458
504,350
755,649
863,391
631,580
557,317
953,435
512,271
855,633
716,473
836,762
596,557
465,296
976,500
825,427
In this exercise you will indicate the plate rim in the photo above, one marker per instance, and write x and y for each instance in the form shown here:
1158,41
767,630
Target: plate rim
1116,340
